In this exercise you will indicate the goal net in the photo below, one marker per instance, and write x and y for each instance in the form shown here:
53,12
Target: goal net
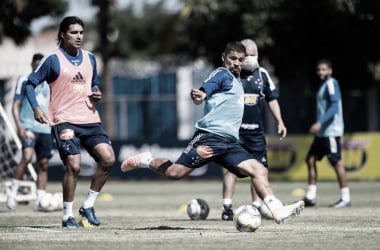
10,154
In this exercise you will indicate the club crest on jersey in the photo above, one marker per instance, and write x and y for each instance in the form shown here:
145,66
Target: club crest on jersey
251,99
78,83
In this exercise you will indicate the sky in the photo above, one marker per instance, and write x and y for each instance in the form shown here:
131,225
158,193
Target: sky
76,9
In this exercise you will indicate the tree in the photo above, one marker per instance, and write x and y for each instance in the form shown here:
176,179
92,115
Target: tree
16,16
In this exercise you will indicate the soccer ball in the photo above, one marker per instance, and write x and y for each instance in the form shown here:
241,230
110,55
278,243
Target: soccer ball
247,218
50,202
197,209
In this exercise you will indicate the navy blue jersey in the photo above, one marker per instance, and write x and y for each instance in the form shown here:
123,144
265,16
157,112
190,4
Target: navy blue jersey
258,87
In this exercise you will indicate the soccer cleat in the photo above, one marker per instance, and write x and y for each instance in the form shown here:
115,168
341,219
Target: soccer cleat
285,213
309,202
70,223
341,204
227,212
89,213
133,162
11,204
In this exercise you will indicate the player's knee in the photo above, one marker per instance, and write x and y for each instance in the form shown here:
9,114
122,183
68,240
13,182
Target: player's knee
108,162
74,170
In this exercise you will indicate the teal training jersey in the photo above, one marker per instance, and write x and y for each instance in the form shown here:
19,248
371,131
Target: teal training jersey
26,112
223,110
329,109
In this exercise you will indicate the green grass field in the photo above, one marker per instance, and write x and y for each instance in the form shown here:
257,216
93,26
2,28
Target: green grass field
152,215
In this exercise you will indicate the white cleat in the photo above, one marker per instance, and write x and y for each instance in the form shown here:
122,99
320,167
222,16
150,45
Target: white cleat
285,213
133,162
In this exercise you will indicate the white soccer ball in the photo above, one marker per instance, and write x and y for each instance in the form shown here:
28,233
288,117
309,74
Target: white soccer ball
197,209
247,218
50,202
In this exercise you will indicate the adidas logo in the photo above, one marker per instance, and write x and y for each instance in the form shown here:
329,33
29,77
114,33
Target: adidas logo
78,78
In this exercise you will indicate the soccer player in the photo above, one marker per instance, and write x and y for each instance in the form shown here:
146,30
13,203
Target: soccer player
217,134
328,130
35,137
74,84
258,88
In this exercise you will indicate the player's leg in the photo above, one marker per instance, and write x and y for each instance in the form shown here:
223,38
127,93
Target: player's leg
310,198
26,158
335,159
43,149
259,175
345,200
162,166
229,183
315,152
197,153
69,185
69,150
42,177
99,147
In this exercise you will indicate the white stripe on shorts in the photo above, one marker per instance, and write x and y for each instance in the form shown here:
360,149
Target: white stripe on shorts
333,145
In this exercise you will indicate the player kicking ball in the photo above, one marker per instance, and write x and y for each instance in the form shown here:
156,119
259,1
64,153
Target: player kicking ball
217,134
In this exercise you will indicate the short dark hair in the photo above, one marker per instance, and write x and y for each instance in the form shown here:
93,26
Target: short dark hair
37,56
326,62
234,46
64,26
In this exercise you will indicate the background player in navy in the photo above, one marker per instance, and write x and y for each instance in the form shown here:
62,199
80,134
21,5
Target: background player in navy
73,81
328,130
217,136
258,89
35,137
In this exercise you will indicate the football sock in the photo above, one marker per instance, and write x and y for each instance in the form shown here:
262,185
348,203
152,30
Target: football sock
90,199
144,162
40,193
311,192
67,210
227,201
345,194
14,189
272,203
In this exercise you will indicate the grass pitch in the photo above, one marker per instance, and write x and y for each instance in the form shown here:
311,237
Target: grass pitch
152,215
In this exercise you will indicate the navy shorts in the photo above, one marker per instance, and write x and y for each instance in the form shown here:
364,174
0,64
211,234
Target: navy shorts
255,144
207,147
70,137
326,146
42,144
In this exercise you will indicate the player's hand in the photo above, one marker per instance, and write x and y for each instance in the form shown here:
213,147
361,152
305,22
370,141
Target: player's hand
281,130
197,96
96,95
315,127
40,116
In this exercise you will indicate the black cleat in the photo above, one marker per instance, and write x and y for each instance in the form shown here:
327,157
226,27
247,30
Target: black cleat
227,212
309,202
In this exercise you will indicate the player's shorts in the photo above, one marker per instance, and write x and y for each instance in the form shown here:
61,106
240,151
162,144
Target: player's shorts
207,147
255,144
326,146
42,144
70,137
